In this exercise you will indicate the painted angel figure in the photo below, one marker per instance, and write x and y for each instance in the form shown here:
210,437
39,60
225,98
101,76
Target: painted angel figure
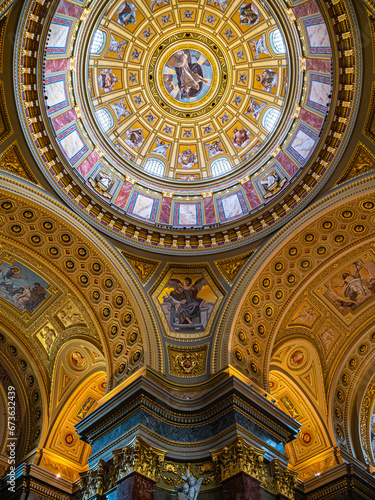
120,109
161,148
117,47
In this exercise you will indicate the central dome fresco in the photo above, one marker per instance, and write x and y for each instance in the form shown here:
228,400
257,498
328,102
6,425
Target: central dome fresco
199,93
191,125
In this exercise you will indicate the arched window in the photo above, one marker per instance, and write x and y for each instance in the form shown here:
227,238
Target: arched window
270,119
98,42
220,167
277,42
155,167
104,118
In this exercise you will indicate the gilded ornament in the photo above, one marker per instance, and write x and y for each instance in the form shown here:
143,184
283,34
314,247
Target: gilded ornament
187,362
231,268
144,268
236,457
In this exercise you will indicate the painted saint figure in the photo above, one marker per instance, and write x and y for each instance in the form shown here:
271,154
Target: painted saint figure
249,14
187,159
120,109
214,148
268,79
241,138
186,304
126,14
134,137
48,336
354,284
107,80
161,148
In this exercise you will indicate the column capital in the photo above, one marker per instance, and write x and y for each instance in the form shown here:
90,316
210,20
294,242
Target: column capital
238,456
138,456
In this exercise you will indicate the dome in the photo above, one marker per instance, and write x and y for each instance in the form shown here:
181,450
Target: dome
179,126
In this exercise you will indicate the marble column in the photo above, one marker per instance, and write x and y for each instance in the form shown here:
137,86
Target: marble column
135,487
241,487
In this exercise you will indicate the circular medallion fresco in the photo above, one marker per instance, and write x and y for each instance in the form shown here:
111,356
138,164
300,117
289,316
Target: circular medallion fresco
182,125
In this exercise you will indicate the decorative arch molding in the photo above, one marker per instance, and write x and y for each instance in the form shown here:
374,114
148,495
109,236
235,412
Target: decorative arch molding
63,452
124,292
314,449
18,370
351,399
249,294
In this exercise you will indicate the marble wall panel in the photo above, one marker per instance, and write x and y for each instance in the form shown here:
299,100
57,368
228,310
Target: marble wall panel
251,194
88,164
209,210
165,211
72,144
311,119
55,91
123,194
58,36
305,9
56,65
70,9
303,144
144,207
64,119
288,165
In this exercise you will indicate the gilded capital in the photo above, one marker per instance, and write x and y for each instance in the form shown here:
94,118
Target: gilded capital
284,480
239,457
140,457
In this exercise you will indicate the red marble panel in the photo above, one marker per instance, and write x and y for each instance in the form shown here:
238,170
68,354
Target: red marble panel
56,65
209,210
241,486
123,195
70,9
165,211
322,65
287,163
88,163
62,120
311,119
251,194
305,9
135,487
